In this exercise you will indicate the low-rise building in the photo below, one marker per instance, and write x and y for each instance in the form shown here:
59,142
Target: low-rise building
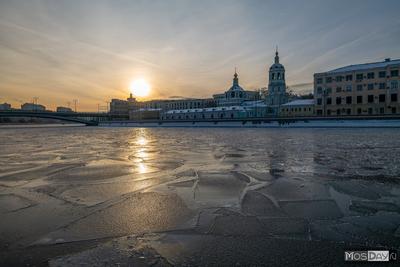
223,113
63,109
5,106
145,114
362,89
122,107
33,107
297,108
175,104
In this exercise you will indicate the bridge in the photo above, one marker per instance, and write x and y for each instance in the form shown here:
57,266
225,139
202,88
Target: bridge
87,118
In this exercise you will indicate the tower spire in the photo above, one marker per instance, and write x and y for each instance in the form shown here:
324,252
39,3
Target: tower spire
276,56
235,78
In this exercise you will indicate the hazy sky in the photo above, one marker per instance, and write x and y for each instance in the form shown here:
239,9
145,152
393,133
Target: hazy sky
90,50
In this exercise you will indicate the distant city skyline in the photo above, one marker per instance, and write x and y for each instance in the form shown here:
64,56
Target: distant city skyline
92,50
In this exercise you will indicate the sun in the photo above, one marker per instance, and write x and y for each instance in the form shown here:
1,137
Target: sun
140,88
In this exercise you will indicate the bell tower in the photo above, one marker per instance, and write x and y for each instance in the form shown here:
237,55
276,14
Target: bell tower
276,94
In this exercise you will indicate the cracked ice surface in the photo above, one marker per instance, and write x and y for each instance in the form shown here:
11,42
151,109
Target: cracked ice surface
165,196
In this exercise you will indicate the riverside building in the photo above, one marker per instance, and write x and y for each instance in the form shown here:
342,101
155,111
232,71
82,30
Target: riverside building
276,93
235,95
297,108
362,89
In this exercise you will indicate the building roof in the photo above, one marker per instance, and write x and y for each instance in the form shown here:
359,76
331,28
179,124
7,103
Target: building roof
366,66
300,102
229,108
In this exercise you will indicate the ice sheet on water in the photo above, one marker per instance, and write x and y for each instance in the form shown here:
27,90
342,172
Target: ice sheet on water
140,213
369,207
312,209
296,189
381,222
255,203
355,188
285,226
234,225
12,202
216,189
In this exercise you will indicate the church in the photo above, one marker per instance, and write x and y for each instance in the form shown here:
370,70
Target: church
237,102
235,95
276,94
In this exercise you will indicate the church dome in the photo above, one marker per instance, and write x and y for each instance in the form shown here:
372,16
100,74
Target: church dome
276,65
235,85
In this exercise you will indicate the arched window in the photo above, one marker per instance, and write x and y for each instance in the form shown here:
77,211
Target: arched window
233,94
283,76
240,94
273,76
279,75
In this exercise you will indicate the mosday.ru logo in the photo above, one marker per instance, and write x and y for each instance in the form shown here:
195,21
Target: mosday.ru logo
370,255
376,255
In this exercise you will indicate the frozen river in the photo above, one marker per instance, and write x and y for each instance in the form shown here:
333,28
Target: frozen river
156,196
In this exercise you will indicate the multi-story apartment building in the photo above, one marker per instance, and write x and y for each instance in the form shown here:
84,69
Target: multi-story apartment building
362,89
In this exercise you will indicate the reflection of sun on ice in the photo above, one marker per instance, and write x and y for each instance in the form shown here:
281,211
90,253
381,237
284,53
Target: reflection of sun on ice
140,88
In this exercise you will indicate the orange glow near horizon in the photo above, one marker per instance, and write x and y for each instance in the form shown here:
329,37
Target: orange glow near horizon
140,88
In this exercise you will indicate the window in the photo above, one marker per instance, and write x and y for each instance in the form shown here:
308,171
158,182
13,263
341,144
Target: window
359,76
393,85
394,110
369,111
382,98
279,76
382,85
339,78
393,97
382,110
319,111
329,101
348,88
329,112
349,78
359,111
338,89
370,86
338,111
319,101
370,75
359,87
348,111
370,98
382,74
319,90
359,99
319,80
338,100
273,76
328,79
348,99
394,73
328,90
